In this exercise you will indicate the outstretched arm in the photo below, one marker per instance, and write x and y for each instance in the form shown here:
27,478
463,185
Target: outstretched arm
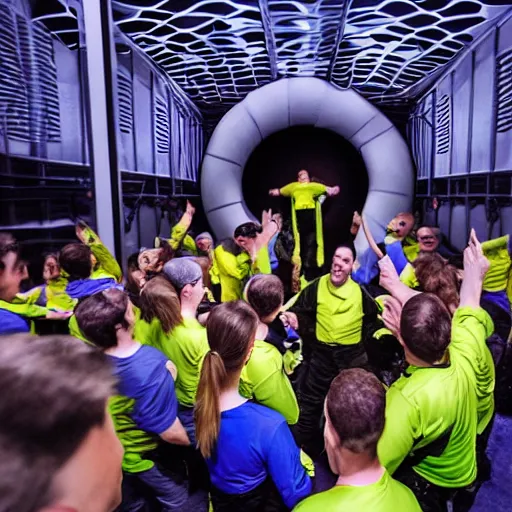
332,191
476,266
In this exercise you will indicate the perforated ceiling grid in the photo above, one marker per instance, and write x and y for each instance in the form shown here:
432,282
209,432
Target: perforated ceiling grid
219,51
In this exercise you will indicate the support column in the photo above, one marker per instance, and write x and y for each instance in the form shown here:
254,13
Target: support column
101,73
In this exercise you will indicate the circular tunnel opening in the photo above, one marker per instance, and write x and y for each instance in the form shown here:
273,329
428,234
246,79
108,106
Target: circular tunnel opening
329,158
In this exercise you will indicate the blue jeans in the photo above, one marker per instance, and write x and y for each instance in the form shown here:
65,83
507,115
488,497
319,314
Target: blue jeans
157,489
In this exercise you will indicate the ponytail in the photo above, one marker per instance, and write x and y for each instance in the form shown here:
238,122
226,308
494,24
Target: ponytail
207,408
231,328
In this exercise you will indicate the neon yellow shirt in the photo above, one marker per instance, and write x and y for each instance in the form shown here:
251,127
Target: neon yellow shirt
339,316
264,380
231,271
386,495
449,404
186,345
303,194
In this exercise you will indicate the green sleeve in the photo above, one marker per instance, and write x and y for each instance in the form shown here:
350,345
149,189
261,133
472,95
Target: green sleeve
189,245
276,392
29,297
400,431
497,251
108,266
234,266
25,309
262,263
408,277
470,329
288,190
179,231
317,189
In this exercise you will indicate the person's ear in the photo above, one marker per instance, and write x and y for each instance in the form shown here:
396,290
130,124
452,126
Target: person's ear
186,292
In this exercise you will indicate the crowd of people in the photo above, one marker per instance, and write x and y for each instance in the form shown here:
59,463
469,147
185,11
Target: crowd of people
203,378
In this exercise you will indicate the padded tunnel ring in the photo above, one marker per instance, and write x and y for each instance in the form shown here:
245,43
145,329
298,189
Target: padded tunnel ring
314,102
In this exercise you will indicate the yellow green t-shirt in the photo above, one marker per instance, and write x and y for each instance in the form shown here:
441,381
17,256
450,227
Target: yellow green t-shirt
303,194
231,271
385,495
186,345
433,414
264,380
339,316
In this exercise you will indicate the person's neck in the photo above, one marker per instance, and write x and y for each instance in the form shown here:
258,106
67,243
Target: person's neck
261,331
126,345
416,361
230,396
188,309
359,469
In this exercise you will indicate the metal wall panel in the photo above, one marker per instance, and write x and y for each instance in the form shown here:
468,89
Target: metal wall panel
443,127
483,113
462,84
161,126
143,115
458,227
126,135
504,93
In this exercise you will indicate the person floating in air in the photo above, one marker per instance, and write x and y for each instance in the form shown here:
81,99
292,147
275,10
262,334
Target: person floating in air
308,254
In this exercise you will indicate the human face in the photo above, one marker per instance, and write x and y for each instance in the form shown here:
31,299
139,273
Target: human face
90,481
51,268
427,240
402,225
11,276
303,176
193,293
341,267
204,244
245,243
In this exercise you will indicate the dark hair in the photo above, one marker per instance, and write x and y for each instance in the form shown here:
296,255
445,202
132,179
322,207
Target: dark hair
159,299
75,259
425,327
435,275
356,406
265,294
248,230
231,328
99,315
7,244
229,245
55,390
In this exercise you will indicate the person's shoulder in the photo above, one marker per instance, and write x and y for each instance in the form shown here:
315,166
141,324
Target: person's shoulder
265,352
326,501
264,416
149,353
402,496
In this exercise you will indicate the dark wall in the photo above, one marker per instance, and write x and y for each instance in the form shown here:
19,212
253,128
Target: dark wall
328,157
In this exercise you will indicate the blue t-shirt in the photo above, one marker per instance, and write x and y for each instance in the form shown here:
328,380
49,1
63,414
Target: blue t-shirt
145,378
82,288
255,442
274,261
11,323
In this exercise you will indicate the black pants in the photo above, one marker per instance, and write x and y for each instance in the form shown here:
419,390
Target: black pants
306,225
323,364
265,498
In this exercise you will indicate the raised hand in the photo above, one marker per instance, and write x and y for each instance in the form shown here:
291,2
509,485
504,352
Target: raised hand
388,274
190,209
289,319
474,260
391,315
